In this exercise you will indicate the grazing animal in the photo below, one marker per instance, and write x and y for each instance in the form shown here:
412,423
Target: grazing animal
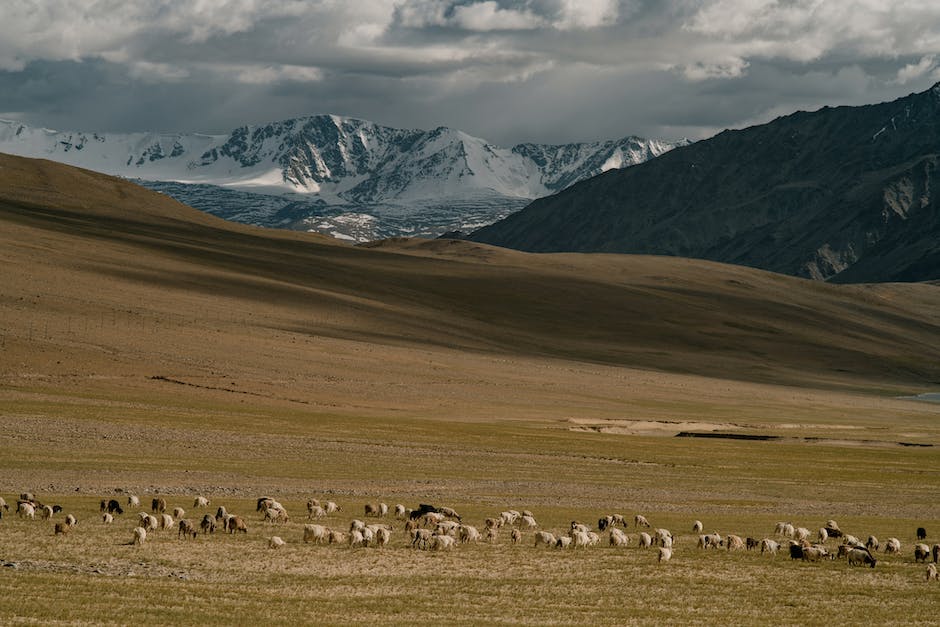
603,523
665,554
769,546
796,551
221,513
179,512
201,501
528,521
275,542
450,513
921,552
861,557
26,510
872,543
442,543
140,535
158,505
893,545
618,537
697,526
822,535
492,534
420,536
751,543
710,540
114,507
932,573
315,511
151,523
400,511
61,529
208,524
640,521
70,520
133,500
562,542
331,507
186,528
800,534
166,521
646,541
814,553
469,533
544,537
3,504
337,537
383,536
516,536
107,518
921,533
45,512
316,534
733,542
237,523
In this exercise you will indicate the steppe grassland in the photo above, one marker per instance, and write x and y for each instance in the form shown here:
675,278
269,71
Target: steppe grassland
152,444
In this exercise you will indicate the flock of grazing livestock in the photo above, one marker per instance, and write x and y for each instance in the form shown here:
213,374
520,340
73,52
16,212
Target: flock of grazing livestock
441,528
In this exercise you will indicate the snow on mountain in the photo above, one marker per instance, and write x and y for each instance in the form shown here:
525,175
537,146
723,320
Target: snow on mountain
317,168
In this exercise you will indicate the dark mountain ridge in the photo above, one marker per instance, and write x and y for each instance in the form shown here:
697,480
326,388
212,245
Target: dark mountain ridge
844,194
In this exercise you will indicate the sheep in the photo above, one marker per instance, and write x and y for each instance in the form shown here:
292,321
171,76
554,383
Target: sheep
509,517
221,513
442,543
576,526
420,536
264,502
356,538
646,541
208,524
400,511
733,542
697,526
433,518
515,536
469,533
368,535
528,522
356,525
665,554
166,521
113,507
921,533
3,504
371,509
316,533
832,528
751,543
382,536
383,510
544,537
872,543
593,538
618,519
185,529
779,527
70,520
932,573
45,512
26,510
893,545
201,502
276,515
336,537
411,524
61,529
151,523
107,518
663,536
158,505
316,512
331,507
237,523
789,531
800,534
603,523
618,537
796,551
492,534
851,540
860,557
814,553
133,500
921,552
275,542
822,535
450,513
27,496
562,542
140,535
179,512
640,521
769,546
447,528
493,523
710,540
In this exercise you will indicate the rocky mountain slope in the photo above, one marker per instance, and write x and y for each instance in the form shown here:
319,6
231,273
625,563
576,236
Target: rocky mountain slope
843,194
327,172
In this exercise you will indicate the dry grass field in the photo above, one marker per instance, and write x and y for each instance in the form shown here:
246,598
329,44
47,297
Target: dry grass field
147,348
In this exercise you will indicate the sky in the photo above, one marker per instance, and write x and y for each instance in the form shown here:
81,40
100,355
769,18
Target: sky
510,71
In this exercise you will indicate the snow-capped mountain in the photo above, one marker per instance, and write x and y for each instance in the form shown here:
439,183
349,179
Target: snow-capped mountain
310,172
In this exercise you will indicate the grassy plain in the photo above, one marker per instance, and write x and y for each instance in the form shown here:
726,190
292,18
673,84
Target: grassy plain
149,349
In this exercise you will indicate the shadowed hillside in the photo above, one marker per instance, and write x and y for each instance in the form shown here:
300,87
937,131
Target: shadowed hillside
103,276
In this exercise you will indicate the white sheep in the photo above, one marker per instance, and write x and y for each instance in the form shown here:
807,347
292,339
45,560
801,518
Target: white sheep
492,534
382,536
921,552
662,535
107,518
544,537
151,524
70,521
442,543
201,501
665,554
562,542
433,518
356,538
316,511
822,535
331,507
770,546
788,530
593,538
3,504
368,535
509,517
851,540
315,533
337,537
179,512
133,500
528,522
449,512
447,528
893,545
515,536
646,541
469,533
275,542
140,535
618,537
356,525
383,510
166,521
932,574
800,534
640,521
400,511
26,510
733,542
420,536
697,526
46,512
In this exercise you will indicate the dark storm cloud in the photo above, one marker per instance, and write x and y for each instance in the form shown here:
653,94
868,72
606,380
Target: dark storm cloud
522,70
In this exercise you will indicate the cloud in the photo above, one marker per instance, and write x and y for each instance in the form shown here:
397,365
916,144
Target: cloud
506,70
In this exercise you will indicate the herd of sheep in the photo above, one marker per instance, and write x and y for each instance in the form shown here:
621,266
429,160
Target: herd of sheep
441,528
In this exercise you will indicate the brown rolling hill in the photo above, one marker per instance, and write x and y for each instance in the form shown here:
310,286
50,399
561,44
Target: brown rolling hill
103,280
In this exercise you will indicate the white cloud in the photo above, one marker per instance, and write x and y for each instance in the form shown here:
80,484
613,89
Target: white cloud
913,71
587,14
487,16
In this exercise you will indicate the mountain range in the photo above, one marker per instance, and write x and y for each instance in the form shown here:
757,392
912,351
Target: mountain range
342,176
845,194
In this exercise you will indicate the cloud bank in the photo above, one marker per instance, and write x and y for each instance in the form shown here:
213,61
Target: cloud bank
507,70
